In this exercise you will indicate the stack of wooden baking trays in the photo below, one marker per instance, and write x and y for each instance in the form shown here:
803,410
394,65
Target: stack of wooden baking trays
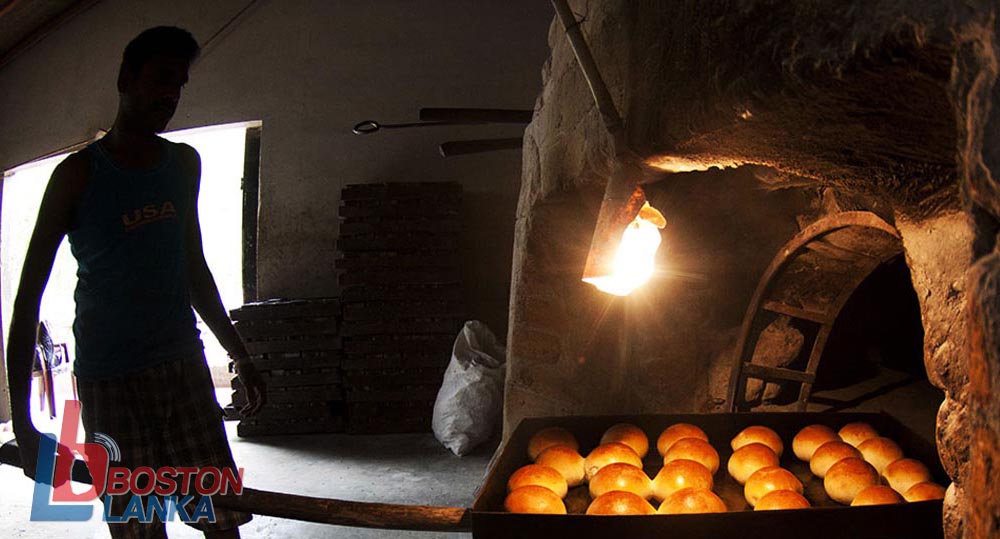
402,300
296,347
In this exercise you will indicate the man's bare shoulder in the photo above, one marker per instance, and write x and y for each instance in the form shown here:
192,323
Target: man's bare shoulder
73,172
188,155
65,190
191,164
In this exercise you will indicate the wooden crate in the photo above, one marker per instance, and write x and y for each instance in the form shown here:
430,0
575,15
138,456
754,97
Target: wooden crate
294,394
390,378
402,293
402,300
406,343
288,309
391,393
381,310
254,427
296,347
395,417
402,326
400,277
395,360
315,359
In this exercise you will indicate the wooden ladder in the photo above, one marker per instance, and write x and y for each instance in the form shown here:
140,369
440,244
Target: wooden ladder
839,251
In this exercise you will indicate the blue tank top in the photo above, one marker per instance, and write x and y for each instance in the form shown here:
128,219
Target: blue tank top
133,308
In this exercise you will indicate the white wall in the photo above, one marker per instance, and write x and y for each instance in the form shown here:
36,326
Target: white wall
310,69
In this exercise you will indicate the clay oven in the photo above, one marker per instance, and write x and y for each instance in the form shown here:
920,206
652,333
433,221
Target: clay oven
758,123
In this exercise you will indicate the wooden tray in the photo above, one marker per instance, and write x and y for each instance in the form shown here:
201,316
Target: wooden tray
826,519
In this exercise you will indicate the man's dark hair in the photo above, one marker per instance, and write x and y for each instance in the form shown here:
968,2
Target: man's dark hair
165,40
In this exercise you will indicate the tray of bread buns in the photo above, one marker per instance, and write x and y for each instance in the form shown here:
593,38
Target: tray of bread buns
769,475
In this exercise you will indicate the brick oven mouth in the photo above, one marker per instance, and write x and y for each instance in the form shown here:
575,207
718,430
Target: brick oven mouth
872,358
798,301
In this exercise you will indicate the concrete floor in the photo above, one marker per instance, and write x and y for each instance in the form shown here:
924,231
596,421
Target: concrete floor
408,469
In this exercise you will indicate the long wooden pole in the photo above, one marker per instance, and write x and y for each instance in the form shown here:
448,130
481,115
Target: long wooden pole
622,197
347,513
384,516
605,105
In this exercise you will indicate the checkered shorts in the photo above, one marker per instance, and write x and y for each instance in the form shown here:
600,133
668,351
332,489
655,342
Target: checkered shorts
164,415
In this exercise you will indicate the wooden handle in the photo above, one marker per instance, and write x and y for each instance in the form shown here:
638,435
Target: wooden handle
496,116
346,513
464,147
10,454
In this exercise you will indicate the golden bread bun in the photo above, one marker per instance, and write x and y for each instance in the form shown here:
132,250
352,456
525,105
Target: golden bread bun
748,459
680,474
877,495
767,480
566,461
781,499
924,491
694,449
880,452
808,440
829,454
904,473
605,454
621,476
855,433
845,479
549,437
692,500
534,499
538,475
675,432
618,502
630,435
760,435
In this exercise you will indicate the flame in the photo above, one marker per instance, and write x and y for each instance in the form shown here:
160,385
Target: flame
633,264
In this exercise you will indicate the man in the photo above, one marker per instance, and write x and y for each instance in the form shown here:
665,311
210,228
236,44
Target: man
128,204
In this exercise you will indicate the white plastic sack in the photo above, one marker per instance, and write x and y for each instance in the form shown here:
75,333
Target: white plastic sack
470,400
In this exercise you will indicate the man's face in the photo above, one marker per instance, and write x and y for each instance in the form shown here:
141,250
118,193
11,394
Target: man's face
150,95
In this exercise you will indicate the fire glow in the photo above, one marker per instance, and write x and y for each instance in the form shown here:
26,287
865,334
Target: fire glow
634,261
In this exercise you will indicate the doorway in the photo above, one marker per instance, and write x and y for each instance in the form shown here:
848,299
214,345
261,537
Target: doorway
222,204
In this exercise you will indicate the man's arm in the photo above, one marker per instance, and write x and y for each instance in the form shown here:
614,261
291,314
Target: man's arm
205,295
55,216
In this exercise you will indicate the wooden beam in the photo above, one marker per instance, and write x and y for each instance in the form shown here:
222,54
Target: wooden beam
796,312
347,513
45,29
8,7
777,374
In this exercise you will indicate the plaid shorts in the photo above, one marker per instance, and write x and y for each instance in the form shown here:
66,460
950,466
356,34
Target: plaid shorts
164,415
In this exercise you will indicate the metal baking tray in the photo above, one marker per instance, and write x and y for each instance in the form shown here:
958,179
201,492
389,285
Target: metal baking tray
826,519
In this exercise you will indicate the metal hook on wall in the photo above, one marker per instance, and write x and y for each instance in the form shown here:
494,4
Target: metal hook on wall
432,117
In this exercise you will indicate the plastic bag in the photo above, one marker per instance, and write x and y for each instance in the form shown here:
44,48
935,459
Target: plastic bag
470,401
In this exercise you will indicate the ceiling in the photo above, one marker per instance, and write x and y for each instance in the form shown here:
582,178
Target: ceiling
26,22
